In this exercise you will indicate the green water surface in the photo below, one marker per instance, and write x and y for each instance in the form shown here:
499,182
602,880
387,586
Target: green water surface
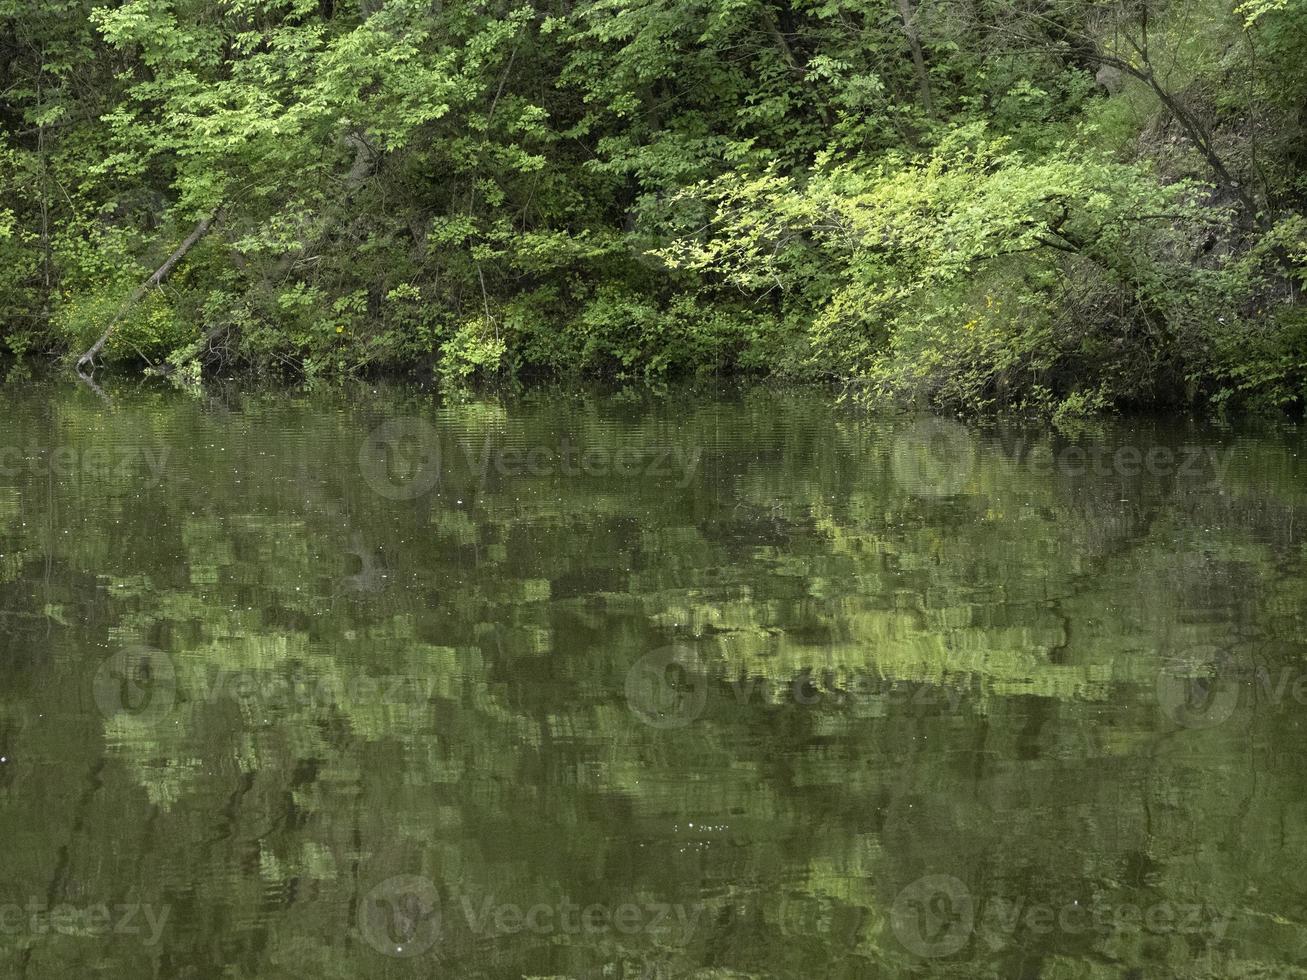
702,685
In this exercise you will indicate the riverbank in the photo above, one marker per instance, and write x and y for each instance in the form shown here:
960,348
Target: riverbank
972,209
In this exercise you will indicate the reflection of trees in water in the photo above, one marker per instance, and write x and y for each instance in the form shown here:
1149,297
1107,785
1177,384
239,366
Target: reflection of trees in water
520,772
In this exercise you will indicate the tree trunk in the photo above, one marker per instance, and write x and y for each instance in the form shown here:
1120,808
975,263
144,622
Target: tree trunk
791,62
909,18
1197,133
160,274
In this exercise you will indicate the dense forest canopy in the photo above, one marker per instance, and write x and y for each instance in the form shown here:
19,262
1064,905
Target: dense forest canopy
1045,205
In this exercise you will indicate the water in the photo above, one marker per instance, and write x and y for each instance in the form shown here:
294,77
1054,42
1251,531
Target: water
711,686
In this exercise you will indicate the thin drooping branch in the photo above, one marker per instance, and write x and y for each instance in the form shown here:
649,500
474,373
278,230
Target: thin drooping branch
1143,70
1193,128
160,274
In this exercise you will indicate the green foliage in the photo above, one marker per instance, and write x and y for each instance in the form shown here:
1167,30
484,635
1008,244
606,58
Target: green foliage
149,331
975,276
1255,10
943,208
476,347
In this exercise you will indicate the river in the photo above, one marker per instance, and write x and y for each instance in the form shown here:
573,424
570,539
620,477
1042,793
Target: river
742,684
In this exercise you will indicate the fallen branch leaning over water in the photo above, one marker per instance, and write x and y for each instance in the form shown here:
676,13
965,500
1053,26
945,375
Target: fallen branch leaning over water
160,274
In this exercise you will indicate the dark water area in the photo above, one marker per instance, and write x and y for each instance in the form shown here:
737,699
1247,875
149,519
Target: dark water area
744,685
